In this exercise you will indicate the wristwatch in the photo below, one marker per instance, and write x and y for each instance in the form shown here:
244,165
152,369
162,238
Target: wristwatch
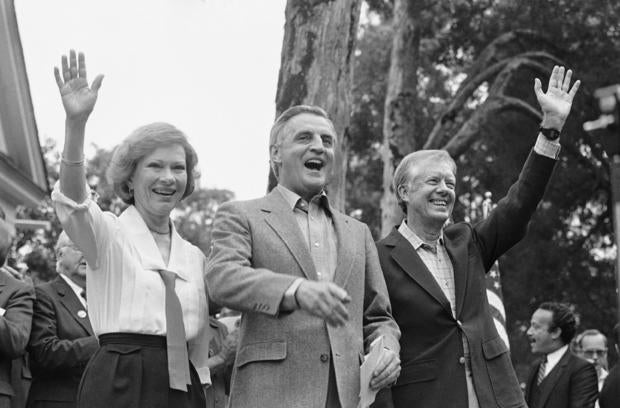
550,134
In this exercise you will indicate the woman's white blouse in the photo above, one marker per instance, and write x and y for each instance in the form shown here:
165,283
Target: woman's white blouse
124,289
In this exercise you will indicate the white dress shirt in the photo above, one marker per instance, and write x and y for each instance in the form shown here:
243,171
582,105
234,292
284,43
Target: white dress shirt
125,291
554,358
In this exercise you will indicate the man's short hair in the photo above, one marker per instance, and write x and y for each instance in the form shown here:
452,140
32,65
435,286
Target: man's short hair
563,319
401,174
276,129
586,333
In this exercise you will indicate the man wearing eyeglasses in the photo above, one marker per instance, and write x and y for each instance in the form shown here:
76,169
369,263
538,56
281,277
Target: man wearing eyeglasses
591,345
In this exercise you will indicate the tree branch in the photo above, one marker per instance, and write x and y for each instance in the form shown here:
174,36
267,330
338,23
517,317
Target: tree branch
503,68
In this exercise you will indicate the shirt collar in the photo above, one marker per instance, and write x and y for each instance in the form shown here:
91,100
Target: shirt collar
414,239
292,198
145,244
555,356
74,286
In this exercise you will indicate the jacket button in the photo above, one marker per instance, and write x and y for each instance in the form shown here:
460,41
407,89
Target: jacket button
461,360
324,358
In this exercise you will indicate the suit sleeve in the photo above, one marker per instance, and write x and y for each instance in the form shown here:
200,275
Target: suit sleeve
47,351
583,387
507,223
378,318
16,321
232,281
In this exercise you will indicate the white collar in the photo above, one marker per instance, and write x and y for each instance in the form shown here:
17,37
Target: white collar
145,244
74,287
554,357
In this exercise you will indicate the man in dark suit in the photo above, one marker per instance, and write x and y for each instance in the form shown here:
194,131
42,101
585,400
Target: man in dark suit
306,278
16,300
559,379
610,394
451,353
62,339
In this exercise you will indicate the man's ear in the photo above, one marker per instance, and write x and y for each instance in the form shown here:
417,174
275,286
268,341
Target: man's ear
556,333
274,153
402,193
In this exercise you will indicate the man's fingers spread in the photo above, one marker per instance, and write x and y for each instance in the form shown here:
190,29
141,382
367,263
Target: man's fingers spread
566,83
574,89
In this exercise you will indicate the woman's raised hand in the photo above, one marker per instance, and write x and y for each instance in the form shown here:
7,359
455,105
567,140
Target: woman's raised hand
78,98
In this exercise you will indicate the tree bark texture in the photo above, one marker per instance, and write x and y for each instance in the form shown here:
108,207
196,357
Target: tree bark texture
316,69
399,135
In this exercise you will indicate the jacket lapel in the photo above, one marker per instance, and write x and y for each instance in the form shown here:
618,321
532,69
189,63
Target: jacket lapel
73,305
459,255
282,220
346,249
530,380
407,258
549,382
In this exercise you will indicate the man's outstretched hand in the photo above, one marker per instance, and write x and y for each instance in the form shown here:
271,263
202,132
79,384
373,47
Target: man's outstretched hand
557,101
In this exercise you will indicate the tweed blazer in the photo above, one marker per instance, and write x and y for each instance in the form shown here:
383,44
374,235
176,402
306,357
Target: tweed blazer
283,358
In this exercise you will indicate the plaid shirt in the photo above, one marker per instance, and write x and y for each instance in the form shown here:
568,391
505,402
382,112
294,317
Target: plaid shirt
436,259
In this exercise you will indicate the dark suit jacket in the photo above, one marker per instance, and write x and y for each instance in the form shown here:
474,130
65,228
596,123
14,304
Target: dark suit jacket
16,299
571,384
610,394
61,344
432,372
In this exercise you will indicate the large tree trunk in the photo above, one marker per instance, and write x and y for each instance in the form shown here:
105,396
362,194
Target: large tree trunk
316,68
399,135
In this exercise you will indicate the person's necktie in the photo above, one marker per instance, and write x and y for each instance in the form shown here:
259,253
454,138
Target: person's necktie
178,360
541,371
83,296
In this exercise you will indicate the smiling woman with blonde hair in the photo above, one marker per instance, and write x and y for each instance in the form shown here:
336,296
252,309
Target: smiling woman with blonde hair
146,294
